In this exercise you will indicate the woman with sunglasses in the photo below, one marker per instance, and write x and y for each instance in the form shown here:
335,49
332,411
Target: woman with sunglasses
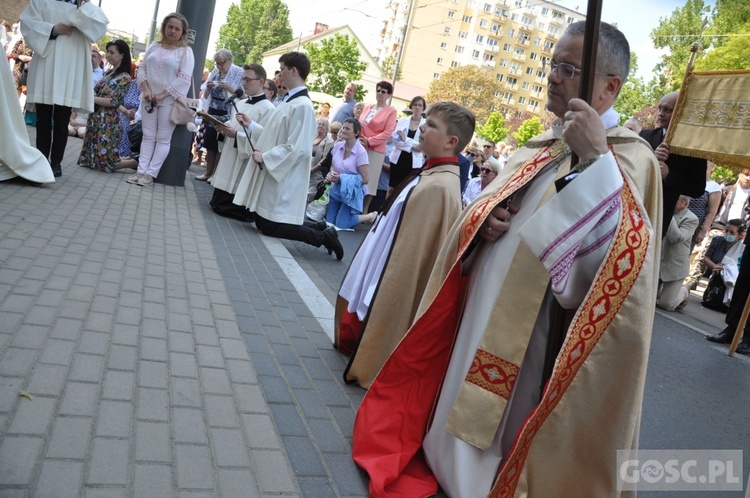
378,122
487,173
223,81
164,75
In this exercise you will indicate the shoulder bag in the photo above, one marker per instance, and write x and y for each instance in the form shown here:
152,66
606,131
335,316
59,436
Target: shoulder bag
183,109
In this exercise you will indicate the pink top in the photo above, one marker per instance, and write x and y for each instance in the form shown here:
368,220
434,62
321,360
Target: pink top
378,131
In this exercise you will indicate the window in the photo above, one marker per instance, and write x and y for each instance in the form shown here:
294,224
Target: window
463,34
500,77
541,26
571,20
545,11
534,56
527,21
545,61
512,81
455,64
491,42
435,76
506,47
480,38
440,60
538,41
537,88
475,54
459,49
447,31
501,12
487,7
553,30
483,23
519,52
526,85
533,103
503,63
497,93
507,95
489,57
522,100
548,46
540,74
466,18
514,17
444,45
557,15
515,67
451,14
519,3
495,27
529,71
511,32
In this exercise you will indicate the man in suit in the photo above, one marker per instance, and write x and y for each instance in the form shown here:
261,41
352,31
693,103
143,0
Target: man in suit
680,174
675,257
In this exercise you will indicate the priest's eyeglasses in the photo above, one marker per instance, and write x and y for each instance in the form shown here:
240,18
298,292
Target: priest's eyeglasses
568,71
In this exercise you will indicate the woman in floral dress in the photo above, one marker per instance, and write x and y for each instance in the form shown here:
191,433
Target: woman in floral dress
127,109
103,128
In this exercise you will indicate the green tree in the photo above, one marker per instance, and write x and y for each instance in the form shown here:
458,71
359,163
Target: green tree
469,86
253,27
494,128
529,129
634,94
210,64
733,54
334,62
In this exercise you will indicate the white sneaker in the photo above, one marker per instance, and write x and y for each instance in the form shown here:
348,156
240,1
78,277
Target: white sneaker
134,178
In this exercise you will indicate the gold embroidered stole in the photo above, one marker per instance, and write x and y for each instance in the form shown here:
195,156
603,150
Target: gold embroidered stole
611,286
483,397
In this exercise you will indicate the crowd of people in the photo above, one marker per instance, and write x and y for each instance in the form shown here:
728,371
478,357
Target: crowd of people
528,280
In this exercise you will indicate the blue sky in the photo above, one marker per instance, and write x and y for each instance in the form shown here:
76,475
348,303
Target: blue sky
636,19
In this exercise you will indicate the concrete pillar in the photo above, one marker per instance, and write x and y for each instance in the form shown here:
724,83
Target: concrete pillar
199,14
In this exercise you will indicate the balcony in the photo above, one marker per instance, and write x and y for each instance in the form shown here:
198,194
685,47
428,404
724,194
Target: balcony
533,108
526,27
524,42
515,72
492,49
511,86
490,63
519,58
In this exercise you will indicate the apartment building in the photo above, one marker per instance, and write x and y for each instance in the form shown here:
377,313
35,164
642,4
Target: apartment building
511,39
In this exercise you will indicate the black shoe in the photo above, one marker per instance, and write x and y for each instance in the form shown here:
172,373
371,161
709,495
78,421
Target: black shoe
321,225
743,348
56,170
331,242
723,337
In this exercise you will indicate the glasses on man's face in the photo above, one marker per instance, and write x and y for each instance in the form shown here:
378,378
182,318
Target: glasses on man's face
248,80
381,91
564,70
486,170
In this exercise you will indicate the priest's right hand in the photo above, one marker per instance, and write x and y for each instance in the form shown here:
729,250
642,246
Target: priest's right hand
497,222
243,119
228,131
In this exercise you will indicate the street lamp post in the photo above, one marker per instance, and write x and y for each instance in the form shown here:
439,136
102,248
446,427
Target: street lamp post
152,33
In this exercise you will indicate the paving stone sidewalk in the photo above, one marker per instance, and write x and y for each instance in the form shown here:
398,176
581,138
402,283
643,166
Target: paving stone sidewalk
166,352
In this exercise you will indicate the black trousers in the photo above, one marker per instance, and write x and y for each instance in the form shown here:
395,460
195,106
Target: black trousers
46,137
739,297
301,233
223,204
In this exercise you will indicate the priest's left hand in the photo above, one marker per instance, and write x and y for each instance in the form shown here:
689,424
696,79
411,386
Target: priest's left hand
584,131
497,222
258,156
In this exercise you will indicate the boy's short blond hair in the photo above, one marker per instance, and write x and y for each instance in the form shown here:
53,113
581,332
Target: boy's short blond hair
459,121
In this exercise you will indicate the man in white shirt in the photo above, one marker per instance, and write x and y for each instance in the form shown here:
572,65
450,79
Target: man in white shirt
96,64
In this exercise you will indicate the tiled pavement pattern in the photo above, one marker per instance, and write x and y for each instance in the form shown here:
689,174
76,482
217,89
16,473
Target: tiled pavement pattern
166,352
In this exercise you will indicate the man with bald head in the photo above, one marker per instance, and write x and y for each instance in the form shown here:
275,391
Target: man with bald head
476,399
681,175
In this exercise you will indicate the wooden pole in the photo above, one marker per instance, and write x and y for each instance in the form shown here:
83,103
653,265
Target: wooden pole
740,327
558,330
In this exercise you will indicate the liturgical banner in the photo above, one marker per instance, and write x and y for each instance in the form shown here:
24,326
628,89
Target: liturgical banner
712,118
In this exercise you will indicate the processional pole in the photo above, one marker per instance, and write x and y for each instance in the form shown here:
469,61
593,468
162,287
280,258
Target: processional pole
558,330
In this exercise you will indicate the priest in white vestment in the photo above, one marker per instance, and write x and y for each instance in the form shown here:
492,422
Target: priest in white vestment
476,399
17,156
237,149
60,79
274,185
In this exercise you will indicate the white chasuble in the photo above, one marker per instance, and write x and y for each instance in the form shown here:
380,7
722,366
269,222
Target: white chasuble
60,72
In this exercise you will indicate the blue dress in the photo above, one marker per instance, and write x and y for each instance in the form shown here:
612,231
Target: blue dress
131,101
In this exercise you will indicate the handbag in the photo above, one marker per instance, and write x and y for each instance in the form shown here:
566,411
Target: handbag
183,109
